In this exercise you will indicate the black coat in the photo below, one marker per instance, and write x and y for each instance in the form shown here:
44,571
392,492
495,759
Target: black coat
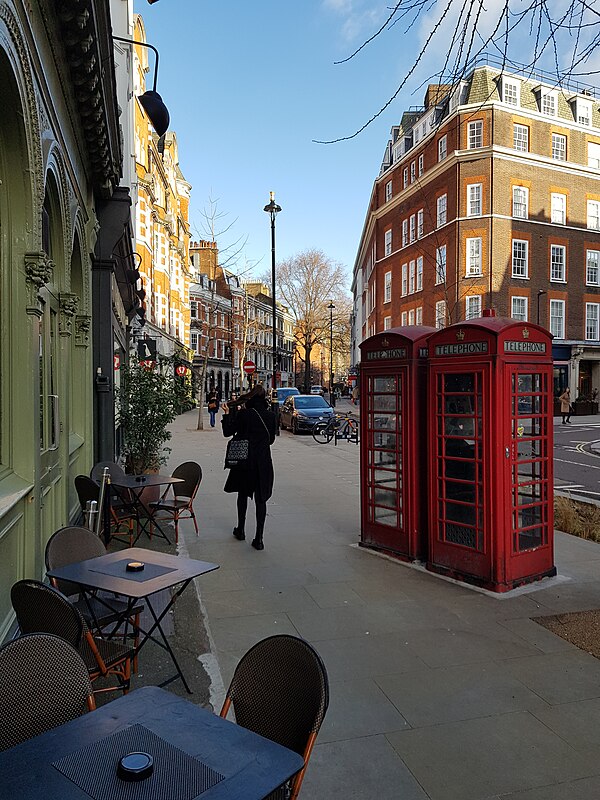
257,477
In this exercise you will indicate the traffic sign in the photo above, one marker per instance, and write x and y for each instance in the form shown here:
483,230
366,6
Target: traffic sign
180,370
249,367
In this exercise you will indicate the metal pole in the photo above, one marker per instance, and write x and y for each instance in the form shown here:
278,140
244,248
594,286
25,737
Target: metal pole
331,394
274,380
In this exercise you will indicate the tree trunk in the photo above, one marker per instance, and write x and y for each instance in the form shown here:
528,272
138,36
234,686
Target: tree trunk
307,353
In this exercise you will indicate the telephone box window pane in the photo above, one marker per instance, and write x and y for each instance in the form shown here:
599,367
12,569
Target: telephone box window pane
384,440
528,383
528,449
384,402
385,498
458,404
531,538
383,477
459,534
385,422
380,458
459,426
528,405
527,494
464,492
459,383
527,426
385,516
384,384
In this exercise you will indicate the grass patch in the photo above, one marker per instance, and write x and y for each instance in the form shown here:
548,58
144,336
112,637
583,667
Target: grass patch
577,518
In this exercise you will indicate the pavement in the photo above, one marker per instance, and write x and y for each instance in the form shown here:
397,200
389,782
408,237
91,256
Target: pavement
438,690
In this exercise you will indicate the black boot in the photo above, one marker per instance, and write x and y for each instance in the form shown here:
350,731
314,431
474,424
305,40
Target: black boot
257,542
239,534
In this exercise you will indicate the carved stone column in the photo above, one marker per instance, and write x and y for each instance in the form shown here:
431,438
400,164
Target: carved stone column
38,271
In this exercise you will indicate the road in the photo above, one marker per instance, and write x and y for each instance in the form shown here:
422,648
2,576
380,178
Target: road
577,457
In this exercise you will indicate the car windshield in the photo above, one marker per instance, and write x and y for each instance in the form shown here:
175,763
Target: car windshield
310,402
283,393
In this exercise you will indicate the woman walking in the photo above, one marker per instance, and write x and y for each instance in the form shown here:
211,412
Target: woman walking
213,406
255,423
565,406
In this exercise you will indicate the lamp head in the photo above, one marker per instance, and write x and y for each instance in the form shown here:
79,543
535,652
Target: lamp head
272,207
156,110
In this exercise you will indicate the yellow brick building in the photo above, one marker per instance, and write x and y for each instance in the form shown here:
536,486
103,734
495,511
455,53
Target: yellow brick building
162,223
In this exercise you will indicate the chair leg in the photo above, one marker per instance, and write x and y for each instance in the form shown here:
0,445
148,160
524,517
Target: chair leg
136,642
195,523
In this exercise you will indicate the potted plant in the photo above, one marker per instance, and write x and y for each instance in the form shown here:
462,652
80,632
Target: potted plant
149,398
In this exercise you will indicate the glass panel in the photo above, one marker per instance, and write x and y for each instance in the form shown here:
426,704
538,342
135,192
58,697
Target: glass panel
459,426
460,513
384,402
531,493
382,458
527,426
529,405
465,492
384,422
532,471
385,498
386,440
528,516
458,404
529,448
386,516
528,383
384,384
532,538
385,478
458,534
459,383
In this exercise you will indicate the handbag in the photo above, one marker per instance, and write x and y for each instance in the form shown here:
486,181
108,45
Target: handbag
237,453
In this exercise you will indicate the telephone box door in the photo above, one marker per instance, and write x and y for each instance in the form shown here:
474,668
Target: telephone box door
383,461
459,448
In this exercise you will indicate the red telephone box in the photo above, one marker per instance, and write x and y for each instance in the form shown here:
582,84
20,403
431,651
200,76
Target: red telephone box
393,373
490,453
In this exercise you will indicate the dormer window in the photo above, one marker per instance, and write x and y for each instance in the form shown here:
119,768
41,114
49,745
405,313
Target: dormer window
549,102
582,111
511,92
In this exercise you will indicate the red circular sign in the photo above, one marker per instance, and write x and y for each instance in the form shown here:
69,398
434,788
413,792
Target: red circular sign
180,370
249,367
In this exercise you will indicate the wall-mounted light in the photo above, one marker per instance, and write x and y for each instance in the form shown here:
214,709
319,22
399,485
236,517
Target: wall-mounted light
151,101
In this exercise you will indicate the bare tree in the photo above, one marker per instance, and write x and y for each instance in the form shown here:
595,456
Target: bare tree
561,38
307,283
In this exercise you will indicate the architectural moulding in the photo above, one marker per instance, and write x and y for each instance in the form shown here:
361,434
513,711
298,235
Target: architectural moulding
38,271
68,308
82,330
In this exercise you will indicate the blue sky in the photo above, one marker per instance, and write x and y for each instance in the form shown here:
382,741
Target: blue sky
249,86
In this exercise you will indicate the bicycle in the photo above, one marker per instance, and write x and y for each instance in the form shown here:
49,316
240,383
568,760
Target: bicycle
340,426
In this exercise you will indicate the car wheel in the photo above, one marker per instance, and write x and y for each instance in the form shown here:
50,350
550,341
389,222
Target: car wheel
281,423
294,427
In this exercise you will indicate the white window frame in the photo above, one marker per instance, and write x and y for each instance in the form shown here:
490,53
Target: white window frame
442,210
388,191
592,321
419,273
593,159
558,208
419,315
592,267
593,215
413,171
195,341
559,147
558,266
405,177
583,112
411,316
475,135
473,260
520,202
387,287
549,102
520,137
421,164
440,264
557,320
413,228
441,314
403,318
404,232
420,223
511,92
522,315
387,323
472,306
443,147
388,242
474,201
404,280
520,258
411,277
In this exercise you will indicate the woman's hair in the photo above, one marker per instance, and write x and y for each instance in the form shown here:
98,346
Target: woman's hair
255,397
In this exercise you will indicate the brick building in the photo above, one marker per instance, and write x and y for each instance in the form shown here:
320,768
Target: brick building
489,197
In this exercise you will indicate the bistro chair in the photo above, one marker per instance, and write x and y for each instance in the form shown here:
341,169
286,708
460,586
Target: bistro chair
181,505
73,544
43,609
280,690
120,512
43,684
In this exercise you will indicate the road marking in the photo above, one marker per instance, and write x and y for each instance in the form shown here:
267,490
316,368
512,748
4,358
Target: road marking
576,463
570,486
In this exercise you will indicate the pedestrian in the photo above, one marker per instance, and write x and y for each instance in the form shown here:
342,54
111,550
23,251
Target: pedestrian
355,395
255,423
213,406
565,406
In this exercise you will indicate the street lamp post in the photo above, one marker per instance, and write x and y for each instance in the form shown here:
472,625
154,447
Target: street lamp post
331,395
539,294
273,209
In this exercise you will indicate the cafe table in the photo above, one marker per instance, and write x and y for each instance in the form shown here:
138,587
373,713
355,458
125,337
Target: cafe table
115,573
196,755
132,487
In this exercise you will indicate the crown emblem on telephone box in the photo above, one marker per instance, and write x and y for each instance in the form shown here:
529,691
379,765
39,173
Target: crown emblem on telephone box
525,333
460,335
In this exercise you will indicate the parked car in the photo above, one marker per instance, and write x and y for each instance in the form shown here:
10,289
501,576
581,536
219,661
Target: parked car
282,394
300,412
317,390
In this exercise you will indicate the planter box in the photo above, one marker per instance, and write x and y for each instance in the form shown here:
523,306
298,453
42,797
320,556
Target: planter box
585,408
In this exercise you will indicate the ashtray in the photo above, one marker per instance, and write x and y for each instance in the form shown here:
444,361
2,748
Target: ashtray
135,566
135,766
141,479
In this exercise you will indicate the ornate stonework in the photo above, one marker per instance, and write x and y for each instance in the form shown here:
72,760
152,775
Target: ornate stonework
68,308
38,271
82,330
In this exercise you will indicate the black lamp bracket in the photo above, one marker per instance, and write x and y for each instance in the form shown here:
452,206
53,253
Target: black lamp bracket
142,44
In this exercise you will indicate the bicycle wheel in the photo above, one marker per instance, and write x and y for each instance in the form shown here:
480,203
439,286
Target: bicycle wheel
352,431
323,432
